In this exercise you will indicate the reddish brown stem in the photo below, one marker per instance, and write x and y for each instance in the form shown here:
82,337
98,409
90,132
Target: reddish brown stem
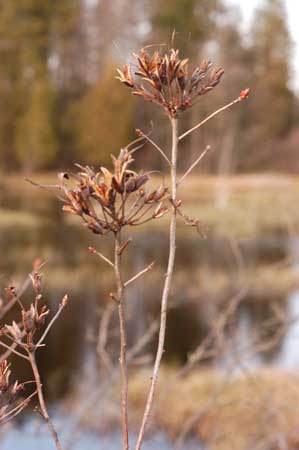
123,340
167,285
43,408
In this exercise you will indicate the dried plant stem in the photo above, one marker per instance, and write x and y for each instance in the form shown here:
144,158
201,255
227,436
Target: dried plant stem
103,337
123,339
167,284
16,298
194,164
215,113
11,349
14,412
139,274
156,146
41,399
60,309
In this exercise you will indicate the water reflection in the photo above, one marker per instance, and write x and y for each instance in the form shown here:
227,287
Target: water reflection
28,436
207,276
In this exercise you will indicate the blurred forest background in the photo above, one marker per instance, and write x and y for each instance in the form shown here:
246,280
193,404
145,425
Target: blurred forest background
61,103
236,292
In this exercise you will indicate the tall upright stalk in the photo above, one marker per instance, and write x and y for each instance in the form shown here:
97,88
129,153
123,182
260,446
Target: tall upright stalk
167,283
123,339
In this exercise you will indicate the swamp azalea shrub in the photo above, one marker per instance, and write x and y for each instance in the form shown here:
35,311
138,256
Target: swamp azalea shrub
165,80
23,338
109,200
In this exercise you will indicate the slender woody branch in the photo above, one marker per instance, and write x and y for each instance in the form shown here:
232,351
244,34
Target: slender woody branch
167,285
156,146
100,255
59,311
11,349
19,408
123,339
139,274
193,165
215,113
41,399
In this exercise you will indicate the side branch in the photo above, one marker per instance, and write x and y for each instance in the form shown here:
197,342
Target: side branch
156,146
41,399
197,161
93,251
60,309
139,274
19,294
11,349
243,95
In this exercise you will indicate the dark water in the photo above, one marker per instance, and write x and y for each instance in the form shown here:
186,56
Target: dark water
38,229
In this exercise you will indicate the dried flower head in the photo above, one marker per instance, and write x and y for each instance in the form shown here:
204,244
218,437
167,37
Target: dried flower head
167,81
108,201
36,279
14,331
8,394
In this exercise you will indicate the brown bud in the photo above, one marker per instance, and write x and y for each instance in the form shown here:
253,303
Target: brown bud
244,94
36,280
10,292
160,212
15,390
28,319
95,226
4,376
64,301
36,264
124,246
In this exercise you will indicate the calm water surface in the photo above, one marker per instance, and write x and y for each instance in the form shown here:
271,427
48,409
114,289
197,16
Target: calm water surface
38,229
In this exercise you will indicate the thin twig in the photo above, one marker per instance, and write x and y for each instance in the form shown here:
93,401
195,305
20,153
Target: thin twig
12,350
103,336
41,399
9,351
19,408
139,274
156,146
103,389
143,341
19,294
60,309
100,255
237,100
47,188
197,161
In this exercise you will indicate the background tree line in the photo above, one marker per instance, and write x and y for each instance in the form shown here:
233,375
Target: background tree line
60,101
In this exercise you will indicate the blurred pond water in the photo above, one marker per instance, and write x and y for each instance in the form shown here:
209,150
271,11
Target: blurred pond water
208,273
29,437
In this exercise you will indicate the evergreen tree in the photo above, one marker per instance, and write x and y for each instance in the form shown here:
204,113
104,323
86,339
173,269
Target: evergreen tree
104,119
273,104
193,20
36,143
